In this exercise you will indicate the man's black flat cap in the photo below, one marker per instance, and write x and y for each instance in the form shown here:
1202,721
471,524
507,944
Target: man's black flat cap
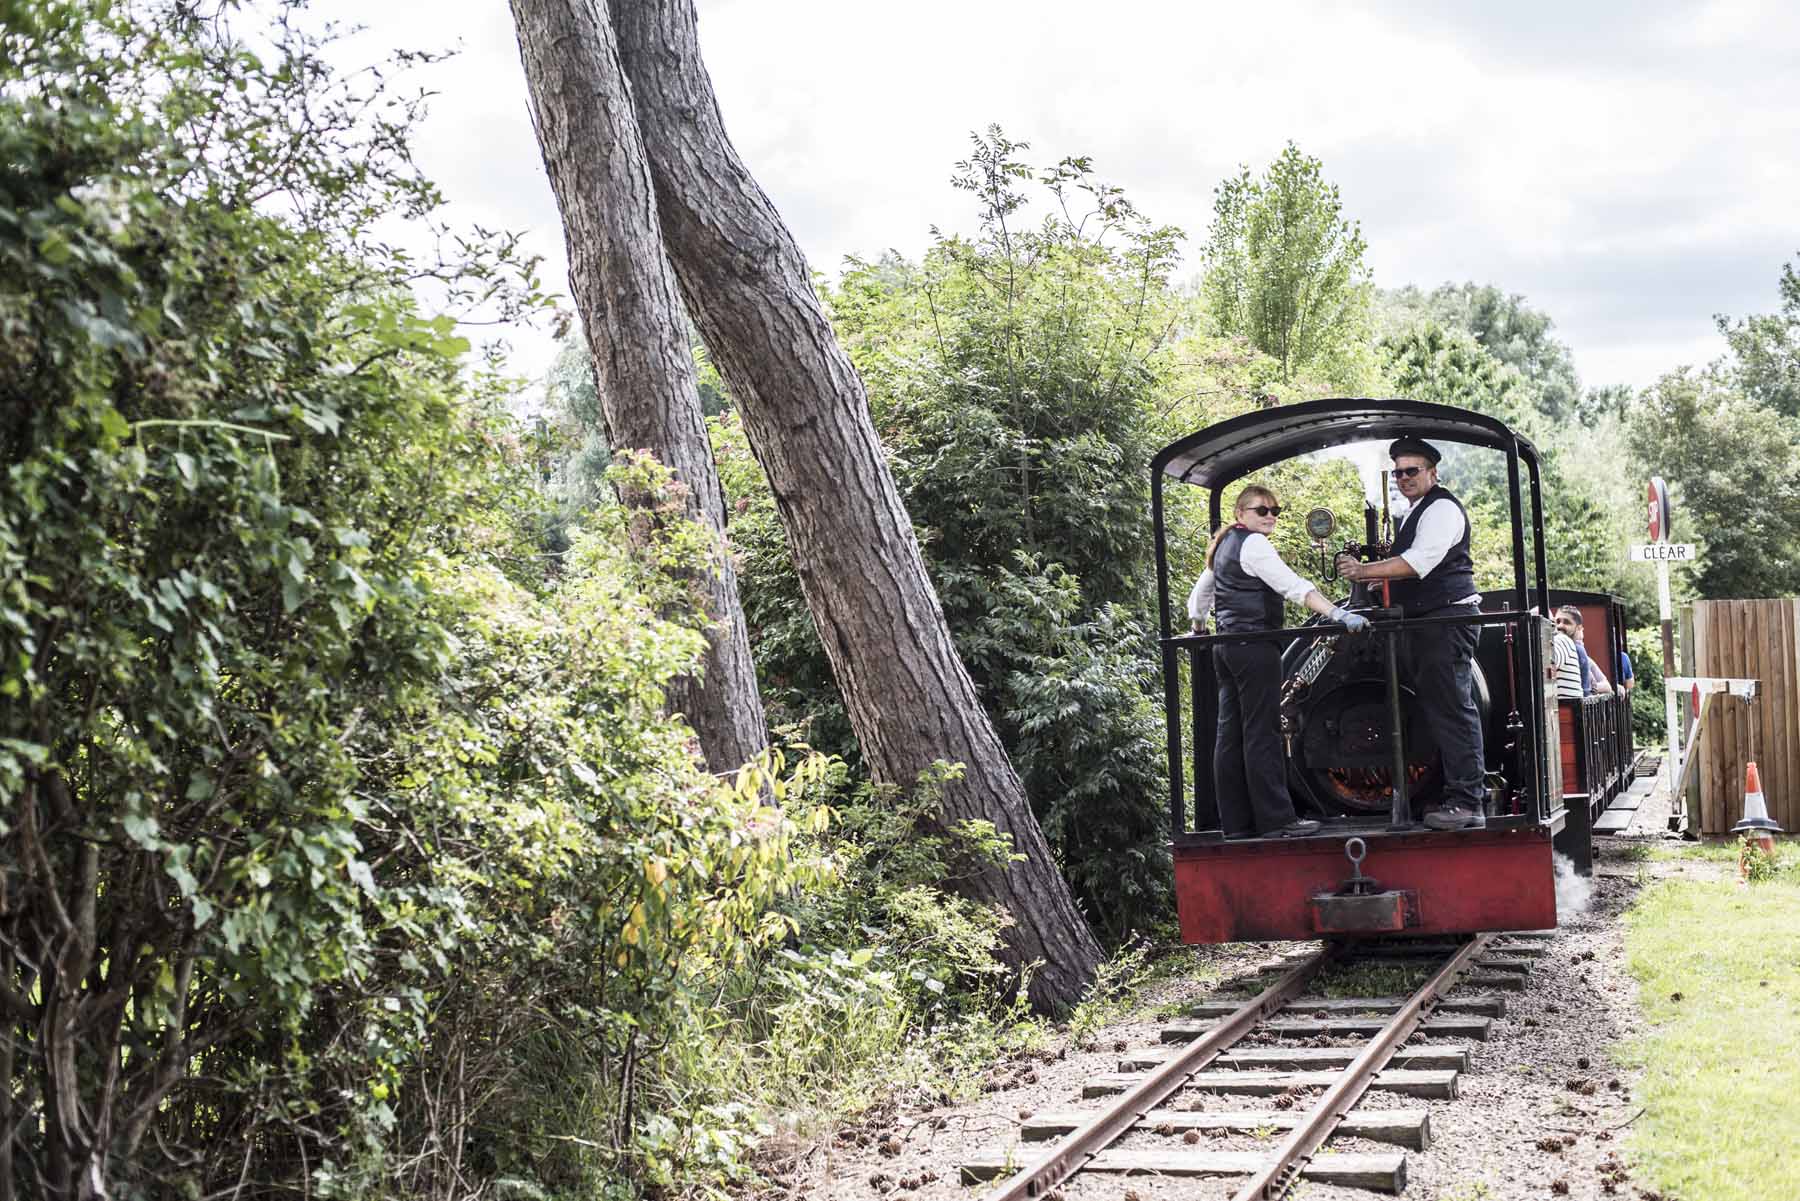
1414,446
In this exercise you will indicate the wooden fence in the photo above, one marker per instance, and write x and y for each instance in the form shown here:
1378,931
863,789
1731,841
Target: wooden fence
1756,639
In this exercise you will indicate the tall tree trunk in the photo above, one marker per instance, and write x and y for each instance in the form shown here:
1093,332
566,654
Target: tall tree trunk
636,326
807,417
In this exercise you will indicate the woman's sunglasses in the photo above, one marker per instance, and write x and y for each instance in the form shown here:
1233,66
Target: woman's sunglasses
1406,473
1264,510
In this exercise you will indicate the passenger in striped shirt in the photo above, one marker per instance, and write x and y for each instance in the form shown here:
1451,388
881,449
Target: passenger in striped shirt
1568,667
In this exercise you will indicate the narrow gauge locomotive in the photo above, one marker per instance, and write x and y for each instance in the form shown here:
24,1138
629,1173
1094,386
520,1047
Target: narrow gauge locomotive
1359,757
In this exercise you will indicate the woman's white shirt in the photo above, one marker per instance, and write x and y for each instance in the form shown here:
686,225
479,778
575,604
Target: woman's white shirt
1258,557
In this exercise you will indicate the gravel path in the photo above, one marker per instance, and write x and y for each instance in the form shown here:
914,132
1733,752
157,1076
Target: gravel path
1543,1111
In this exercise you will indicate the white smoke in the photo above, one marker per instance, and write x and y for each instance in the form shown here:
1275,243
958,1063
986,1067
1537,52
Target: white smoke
1370,460
1573,890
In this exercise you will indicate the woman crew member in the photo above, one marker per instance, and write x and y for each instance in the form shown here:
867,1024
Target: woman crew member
1244,583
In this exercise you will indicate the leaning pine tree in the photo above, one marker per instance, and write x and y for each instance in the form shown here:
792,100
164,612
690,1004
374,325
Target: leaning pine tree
643,366
805,413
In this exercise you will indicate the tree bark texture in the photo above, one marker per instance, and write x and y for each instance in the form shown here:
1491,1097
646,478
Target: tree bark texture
806,414
631,308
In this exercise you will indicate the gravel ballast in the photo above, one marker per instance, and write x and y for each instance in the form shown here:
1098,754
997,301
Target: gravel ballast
1543,1111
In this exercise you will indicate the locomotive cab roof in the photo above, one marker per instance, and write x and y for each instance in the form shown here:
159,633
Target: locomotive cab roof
1229,450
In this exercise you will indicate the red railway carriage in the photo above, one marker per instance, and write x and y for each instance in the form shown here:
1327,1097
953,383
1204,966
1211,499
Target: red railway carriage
1359,757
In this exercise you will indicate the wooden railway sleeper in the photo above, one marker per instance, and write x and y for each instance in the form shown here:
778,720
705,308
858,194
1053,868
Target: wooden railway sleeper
1073,1153
1278,1176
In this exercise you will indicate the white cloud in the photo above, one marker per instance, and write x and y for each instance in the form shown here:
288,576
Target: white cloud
1629,168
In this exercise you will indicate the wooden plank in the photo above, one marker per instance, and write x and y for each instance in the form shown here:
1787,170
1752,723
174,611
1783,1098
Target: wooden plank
1742,723
1523,950
1402,953
1382,1172
1785,712
1401,1127
1439,1085
1436,1027
1767,641
1779,702
1776,700
1761,713
1614,821
1720,632
1508,981
1706,745
1486,1006
1727,627
1504,963
1686,650
1306,1059
1789,803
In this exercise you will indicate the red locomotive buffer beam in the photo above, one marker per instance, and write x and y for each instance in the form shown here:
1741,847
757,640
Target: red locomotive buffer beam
1447,883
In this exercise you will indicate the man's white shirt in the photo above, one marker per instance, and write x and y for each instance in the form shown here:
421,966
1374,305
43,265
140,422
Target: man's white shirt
1441,527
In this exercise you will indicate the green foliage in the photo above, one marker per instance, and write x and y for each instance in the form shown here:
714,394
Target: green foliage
1447,365
1766,350
1649,720
345,855
889,980
1759,866
1734,474
1284,268
1510,332
1015,379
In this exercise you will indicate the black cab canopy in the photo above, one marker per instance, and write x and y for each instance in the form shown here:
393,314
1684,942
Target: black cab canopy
1215,456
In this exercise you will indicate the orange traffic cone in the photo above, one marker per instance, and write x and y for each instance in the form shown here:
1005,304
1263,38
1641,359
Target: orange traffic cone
1755,826
1756,810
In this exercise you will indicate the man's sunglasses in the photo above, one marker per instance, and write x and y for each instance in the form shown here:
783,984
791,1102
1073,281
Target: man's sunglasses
1264,510
1406,473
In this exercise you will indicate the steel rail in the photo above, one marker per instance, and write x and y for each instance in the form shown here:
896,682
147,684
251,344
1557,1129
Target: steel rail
1278,1176
1072,1153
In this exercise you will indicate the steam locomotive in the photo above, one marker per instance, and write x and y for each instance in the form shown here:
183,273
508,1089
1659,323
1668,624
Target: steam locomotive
1360,758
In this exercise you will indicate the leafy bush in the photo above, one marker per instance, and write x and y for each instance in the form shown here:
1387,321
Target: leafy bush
342,854
1649,721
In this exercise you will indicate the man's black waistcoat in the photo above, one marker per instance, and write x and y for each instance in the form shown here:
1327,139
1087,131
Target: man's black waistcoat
1241,601
1454,576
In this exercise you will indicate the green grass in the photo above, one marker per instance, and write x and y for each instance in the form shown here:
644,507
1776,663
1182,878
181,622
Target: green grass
1715,851
1721,1063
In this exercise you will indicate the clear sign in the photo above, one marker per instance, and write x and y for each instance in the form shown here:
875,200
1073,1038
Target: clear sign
1663,552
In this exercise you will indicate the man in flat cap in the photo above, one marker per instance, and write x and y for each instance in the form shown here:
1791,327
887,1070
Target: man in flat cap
1432,575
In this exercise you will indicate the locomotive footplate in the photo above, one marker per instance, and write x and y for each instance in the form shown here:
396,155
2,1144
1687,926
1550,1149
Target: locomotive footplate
1360,905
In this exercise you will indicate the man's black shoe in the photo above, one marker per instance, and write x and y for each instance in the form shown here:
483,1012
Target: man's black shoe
1456,817
1296,829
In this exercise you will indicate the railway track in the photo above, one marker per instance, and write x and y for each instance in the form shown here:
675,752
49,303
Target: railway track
1269,1046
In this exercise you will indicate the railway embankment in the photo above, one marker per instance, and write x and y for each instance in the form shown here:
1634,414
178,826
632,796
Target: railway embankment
1648,1056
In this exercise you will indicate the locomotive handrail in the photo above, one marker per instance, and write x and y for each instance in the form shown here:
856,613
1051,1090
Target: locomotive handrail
1330,629
1194,648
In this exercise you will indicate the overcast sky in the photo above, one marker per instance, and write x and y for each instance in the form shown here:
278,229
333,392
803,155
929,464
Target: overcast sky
1630,168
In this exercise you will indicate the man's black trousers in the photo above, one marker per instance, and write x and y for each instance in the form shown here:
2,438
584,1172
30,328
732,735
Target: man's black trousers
1439,661
1249,768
